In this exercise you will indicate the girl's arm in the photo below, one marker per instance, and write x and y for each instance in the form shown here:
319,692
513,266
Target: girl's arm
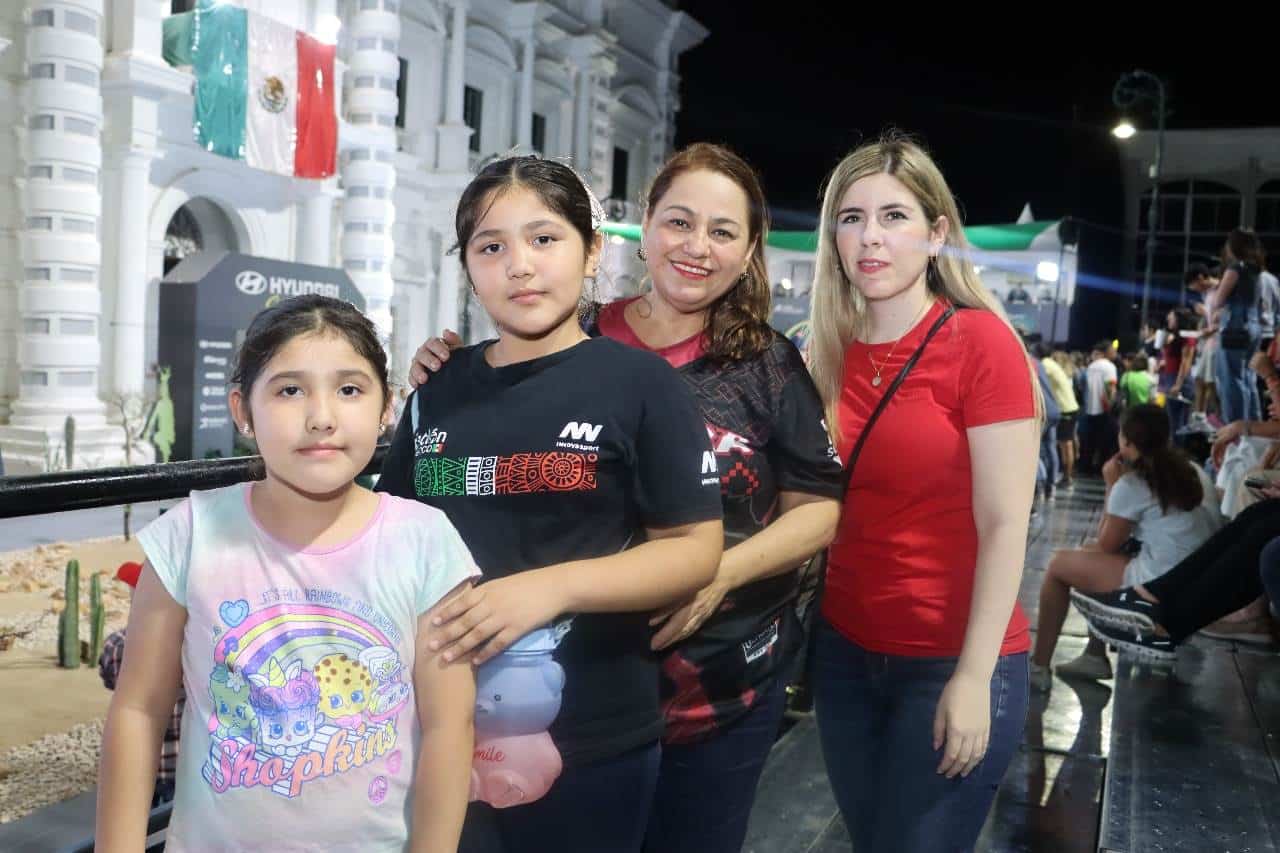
446,697
140,710
671,565
806,524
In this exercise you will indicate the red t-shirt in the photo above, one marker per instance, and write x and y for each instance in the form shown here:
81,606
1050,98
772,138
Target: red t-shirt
901,570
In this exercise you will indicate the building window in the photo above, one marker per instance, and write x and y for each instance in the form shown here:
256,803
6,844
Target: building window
177,7
539,134
401,85
619,189
80,23
472,110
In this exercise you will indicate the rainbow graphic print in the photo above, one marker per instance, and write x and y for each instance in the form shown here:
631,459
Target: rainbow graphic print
307,686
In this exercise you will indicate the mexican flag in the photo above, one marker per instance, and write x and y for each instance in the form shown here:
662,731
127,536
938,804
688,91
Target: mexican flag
264,91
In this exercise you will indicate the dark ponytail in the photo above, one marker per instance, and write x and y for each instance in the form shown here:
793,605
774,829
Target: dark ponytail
1170,475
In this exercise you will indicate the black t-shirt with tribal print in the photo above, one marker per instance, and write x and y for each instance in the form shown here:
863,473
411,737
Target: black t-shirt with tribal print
765,421
566,457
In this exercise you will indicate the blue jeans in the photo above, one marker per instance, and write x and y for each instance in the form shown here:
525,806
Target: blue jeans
875,718
593,807
1237,385
1050,464
705,789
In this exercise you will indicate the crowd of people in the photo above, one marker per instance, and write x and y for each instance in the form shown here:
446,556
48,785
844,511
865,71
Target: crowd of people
1186,435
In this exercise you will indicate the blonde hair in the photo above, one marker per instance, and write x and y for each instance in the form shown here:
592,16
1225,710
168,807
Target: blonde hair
838,313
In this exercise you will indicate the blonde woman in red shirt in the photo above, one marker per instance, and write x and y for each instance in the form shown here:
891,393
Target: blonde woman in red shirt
920,651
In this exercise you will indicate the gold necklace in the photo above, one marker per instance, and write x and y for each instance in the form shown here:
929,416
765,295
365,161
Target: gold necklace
876,380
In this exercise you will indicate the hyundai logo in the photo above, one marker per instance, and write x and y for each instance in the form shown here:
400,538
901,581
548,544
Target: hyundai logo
251,283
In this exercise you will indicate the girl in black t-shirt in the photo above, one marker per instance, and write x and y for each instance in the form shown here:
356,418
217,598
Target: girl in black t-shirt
553,453
727,650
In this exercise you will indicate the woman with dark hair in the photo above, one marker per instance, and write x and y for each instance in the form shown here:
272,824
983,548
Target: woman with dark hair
1228,572
1236,299
726,650
1154,494
579,473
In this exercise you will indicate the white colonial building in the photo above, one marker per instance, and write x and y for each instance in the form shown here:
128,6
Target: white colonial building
102,188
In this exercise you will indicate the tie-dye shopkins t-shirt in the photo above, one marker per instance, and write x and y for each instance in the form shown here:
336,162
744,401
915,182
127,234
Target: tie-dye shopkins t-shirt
301,728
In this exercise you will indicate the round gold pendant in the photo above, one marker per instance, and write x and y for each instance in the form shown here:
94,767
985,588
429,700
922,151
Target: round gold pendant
875,382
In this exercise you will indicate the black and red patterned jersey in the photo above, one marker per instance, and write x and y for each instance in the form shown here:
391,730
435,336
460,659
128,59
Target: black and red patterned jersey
765,421
565,457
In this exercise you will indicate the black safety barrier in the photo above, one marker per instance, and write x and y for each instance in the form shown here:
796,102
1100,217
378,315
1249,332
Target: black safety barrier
88,489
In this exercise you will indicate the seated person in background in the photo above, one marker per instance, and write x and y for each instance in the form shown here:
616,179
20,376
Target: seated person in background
1242,449
1154,494
109,669
1223,575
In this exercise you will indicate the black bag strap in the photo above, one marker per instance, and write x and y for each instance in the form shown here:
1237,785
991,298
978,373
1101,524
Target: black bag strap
888,394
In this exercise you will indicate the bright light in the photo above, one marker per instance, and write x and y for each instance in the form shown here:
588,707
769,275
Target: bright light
1047,271
1123,130
977,269
616,239
327,29
786,283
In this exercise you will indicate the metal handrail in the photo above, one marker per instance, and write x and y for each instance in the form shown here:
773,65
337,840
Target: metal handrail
98,487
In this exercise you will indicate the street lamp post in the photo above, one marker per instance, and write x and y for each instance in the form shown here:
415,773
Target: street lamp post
1129,89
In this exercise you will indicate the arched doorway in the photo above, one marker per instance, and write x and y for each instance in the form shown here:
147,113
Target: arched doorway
197,226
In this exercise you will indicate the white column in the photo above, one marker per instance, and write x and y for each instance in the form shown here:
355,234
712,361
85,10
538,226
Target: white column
565,141
135,80
453,134
457,61
59,298
12,168
582,117
449,292
315,229
133,168
368,170
524,104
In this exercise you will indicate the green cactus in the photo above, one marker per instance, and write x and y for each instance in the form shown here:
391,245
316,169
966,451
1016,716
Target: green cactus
69,441
69,621
97,620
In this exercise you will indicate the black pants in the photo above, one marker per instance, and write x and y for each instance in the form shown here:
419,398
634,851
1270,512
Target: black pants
1097,441
706,789
1220,576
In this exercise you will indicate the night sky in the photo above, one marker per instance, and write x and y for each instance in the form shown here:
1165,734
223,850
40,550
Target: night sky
1023,116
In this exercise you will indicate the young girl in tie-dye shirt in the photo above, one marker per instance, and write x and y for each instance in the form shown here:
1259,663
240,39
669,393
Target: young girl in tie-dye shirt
296,611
